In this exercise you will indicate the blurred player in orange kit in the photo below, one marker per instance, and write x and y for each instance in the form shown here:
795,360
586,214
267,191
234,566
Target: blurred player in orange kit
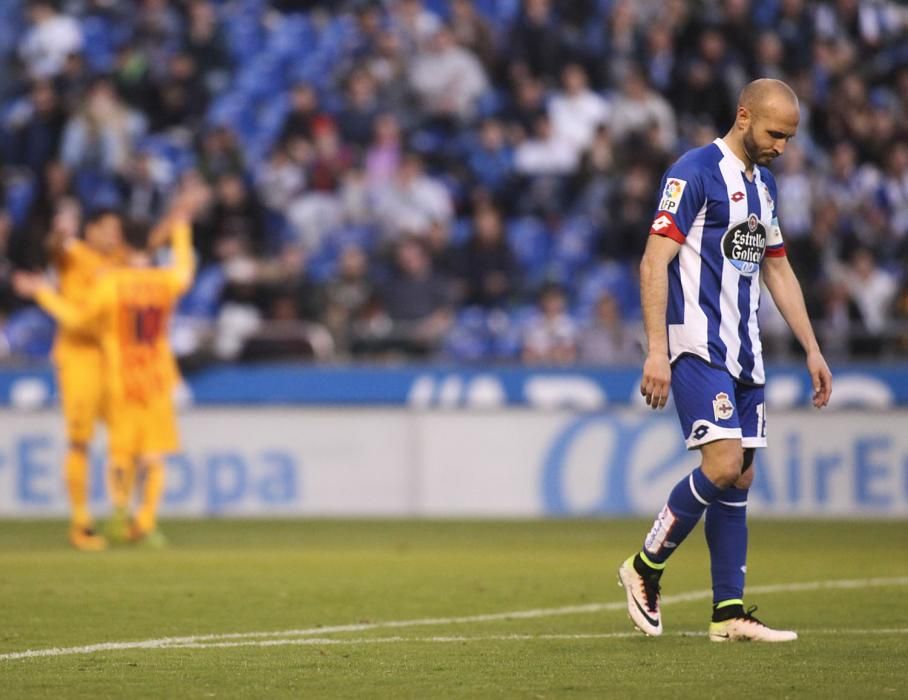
129,309
80,264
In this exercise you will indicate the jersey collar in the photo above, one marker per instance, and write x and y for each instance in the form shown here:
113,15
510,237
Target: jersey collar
727,152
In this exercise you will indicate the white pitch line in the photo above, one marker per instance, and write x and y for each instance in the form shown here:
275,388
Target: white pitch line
197,641
462,639
328,641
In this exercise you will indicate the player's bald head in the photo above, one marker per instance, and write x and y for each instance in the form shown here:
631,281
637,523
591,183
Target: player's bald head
767,118
768,96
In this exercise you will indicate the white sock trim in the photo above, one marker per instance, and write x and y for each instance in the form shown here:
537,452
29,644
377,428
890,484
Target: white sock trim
693,489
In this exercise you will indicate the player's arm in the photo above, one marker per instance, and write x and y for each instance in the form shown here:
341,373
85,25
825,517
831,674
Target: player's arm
657,372
182,265
682,196
786,292
72,316
177,226
76,317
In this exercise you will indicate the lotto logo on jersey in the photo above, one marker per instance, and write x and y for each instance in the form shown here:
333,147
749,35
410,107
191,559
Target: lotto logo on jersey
664,225
671,195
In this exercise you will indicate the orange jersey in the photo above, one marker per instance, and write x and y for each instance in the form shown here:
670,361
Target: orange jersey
79,268
130,309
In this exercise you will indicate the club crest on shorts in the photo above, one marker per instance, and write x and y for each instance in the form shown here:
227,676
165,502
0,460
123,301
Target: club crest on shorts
722,407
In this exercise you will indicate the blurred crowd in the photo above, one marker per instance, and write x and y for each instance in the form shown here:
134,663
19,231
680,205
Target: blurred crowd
454,179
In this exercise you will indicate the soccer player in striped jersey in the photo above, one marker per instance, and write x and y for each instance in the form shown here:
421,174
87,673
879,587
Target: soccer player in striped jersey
714,237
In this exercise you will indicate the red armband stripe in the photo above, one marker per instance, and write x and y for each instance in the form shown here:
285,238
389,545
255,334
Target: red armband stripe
664,225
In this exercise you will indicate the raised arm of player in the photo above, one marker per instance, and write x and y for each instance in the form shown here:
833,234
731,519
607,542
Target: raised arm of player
786,292
657,372
176,227
182,266
76,317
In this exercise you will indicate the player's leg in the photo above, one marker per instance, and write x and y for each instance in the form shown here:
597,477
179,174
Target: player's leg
121,468
121,474
726,535
159,437
80,400
144,527
726,519
725,527
704,398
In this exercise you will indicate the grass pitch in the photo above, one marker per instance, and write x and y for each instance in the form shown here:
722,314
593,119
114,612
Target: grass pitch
399,591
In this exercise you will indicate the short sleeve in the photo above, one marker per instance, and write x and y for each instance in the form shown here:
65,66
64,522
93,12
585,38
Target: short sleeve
681,196
775,246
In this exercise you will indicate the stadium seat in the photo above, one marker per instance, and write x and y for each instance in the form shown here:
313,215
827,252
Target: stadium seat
614,278
572,245
531,244
98,46
507,331
20,191
203,298
468,339
95,189
460,231
29,332
501,12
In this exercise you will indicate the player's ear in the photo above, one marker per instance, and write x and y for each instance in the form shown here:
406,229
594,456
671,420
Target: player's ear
742,117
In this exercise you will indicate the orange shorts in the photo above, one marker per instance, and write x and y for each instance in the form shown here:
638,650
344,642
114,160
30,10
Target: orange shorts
80,383
143,428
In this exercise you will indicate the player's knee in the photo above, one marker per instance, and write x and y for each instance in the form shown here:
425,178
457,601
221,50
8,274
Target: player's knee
724,468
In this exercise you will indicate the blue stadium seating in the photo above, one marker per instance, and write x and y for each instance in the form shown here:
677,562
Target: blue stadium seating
202,300
29,333
20,191
531,243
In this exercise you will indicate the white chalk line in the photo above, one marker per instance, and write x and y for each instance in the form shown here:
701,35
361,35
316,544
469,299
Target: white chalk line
463,639
311,634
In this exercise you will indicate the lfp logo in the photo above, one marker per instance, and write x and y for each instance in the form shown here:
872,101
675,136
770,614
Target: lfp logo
671,195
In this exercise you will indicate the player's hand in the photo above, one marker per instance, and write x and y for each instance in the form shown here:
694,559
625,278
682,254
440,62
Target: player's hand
657,378
159,236
27,284
820,377
193,196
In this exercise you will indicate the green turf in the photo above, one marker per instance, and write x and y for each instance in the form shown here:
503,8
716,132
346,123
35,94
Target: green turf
229,576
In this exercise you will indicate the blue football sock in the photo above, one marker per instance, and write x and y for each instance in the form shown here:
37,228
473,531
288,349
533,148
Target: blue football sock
686,504
726,535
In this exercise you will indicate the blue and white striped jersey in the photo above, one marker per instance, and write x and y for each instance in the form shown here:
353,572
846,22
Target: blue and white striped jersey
725,224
